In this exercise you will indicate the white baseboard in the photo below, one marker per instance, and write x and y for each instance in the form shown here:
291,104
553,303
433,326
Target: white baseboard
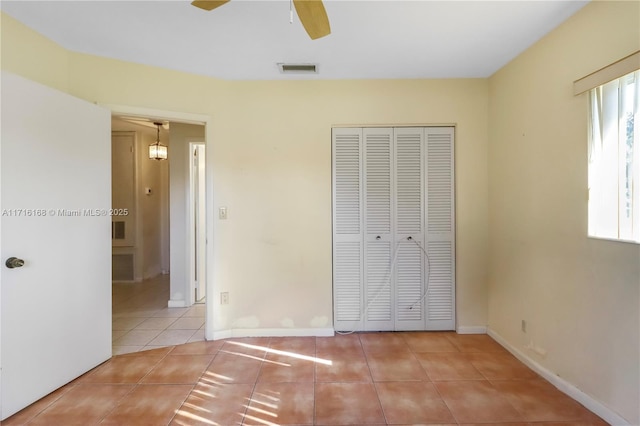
177,304
563,385
273,332
477,329
221,335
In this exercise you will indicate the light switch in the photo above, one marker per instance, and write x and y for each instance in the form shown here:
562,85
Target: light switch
222,213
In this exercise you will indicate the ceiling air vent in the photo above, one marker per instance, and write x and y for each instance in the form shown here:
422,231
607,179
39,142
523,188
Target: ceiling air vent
298,68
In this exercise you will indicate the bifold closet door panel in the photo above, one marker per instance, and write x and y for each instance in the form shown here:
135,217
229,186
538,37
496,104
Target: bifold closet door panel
378,228
347,229
440,220
408,200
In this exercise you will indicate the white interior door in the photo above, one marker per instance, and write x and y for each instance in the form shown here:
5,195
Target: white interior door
198,220
55,311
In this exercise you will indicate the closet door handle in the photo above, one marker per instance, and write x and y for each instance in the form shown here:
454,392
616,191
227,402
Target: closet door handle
378,237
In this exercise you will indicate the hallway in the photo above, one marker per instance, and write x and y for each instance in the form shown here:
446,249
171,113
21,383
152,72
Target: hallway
142,320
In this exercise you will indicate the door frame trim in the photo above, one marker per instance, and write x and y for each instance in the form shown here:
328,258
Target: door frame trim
192,237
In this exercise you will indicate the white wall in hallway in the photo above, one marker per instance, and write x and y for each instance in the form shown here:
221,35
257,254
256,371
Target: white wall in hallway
151,237
180,136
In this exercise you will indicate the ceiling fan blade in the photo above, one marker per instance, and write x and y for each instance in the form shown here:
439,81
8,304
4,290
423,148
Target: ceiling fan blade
208,4
313,17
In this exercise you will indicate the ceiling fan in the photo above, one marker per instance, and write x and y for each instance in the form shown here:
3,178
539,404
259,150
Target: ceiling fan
312,15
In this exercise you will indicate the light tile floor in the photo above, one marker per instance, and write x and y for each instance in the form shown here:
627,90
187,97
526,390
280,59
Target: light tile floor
142,320
359,379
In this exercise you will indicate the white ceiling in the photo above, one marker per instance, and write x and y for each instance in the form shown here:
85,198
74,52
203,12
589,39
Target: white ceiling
244,40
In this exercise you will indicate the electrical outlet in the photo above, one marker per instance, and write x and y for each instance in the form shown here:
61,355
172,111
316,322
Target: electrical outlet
523,326
224,298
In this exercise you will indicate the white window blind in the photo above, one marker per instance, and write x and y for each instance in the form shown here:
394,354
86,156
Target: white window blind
614,159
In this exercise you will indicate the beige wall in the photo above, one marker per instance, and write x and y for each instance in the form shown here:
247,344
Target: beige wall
579,296
29,54
272,169
275,155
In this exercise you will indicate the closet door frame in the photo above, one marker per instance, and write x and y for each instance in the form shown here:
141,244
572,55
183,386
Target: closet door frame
433,307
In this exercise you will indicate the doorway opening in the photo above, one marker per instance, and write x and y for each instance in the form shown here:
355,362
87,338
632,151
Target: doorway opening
140,201
153,296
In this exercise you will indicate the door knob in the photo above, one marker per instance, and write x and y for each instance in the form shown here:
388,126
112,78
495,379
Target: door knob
14,262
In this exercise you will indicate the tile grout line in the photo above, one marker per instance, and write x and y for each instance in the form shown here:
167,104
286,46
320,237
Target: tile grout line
193,387
373,382
117,404
32,418
139,382
433,384
255,383
160,331
445,404
315,380
145,301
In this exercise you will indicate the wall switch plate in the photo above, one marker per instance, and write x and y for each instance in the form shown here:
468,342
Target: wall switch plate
224,298
523,326
222,213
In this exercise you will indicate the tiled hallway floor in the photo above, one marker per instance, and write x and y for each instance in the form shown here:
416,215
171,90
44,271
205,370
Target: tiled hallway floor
359,379
142,321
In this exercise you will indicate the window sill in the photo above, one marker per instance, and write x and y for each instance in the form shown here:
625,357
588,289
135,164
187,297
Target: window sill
613,240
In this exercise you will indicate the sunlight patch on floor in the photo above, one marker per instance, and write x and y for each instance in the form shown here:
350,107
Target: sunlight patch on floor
261,411
284,353
260,421
190,418
195,407
211,378
257,358
265,403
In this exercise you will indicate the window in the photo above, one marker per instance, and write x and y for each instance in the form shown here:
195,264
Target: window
614,159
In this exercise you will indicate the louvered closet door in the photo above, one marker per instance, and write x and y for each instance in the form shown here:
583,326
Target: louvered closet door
347,229
409,198
440,300
378,243
393,201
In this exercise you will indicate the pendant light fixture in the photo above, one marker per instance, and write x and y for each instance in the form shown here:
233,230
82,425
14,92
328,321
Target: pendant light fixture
157,151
